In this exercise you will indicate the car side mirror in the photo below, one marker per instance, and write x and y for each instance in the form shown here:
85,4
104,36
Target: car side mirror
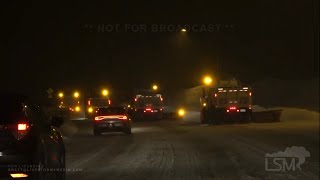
57,121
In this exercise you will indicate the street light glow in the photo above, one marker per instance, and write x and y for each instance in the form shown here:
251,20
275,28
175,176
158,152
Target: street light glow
183,30
207,80
60,95
105,92
76,94
181,112
77,109
155,87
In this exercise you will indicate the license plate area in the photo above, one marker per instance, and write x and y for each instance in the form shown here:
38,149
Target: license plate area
243,110
111,125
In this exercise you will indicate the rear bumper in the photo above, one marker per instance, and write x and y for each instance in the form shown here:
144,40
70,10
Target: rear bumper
221,114
242,110
111,125
140,114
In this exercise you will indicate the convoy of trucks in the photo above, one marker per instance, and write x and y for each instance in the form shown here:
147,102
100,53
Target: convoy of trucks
225,100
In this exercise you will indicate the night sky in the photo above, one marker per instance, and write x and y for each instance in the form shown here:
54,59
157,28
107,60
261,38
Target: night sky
57,44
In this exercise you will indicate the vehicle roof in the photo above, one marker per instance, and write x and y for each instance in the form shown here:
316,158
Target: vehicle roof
113,107
11,107
100,98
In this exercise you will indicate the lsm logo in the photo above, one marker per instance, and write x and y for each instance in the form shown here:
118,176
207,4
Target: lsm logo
290,159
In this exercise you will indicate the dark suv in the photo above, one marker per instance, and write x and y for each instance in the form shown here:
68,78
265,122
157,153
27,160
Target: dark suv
30,146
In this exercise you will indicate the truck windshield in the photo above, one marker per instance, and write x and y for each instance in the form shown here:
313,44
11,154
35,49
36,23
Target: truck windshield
99,102
112,111
149,101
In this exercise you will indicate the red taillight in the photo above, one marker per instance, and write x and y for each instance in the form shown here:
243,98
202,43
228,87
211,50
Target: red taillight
250,94
233,108
148,110
18,175
22,127
135,99
21,130
215,95
89,102
109,102
123,118
98,118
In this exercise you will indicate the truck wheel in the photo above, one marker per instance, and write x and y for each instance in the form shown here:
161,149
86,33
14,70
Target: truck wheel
203,117
217,118
210,118
214,119
249,117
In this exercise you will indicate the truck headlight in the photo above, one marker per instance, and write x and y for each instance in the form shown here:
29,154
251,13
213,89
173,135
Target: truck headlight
77,109
181,112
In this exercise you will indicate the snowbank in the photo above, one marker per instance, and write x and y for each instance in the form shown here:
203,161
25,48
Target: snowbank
290,114
296,115
257,108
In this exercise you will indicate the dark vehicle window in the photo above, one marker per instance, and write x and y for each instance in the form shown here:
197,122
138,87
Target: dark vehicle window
111,111
11,111
37,116
99,102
